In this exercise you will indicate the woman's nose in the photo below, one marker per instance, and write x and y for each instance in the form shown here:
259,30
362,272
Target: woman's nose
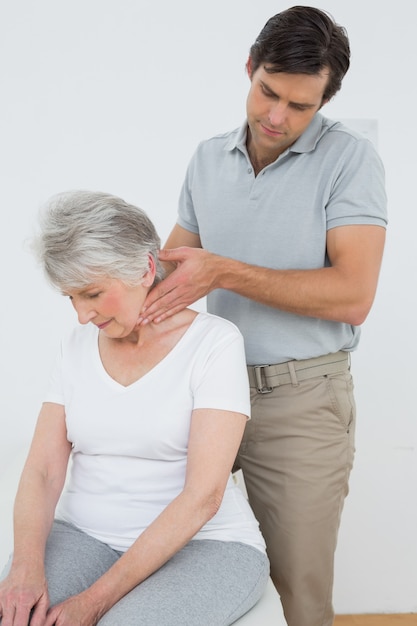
85,312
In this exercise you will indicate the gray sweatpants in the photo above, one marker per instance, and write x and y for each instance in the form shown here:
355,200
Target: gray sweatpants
207,583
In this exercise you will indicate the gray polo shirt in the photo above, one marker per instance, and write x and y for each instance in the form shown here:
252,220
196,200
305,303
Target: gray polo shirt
329,177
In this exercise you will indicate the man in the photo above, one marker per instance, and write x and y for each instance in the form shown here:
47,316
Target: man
282,225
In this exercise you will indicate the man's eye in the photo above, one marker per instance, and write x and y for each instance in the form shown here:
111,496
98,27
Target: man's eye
94,295
299,107
266,92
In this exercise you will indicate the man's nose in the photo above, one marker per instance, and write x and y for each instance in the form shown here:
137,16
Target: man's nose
277,114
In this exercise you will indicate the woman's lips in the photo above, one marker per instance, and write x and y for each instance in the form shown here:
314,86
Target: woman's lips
103,325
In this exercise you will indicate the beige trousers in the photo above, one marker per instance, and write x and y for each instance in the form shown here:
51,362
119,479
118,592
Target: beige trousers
296,456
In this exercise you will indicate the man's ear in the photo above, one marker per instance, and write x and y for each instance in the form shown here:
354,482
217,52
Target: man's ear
149,277
249,67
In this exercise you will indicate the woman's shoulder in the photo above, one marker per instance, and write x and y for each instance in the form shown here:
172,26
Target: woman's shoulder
203,331
208,321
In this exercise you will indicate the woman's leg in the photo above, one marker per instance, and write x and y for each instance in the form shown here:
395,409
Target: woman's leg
74,560
207,583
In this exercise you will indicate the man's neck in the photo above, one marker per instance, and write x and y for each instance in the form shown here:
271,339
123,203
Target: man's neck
260,161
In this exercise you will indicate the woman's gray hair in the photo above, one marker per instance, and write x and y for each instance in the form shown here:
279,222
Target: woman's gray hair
86,235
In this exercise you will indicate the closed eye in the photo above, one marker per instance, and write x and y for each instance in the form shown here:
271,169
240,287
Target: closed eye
267,92
300,107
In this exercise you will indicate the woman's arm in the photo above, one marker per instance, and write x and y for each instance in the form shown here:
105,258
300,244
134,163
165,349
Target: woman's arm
214,441
39,488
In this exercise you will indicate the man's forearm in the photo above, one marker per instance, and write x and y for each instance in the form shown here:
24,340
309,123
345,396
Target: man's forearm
324,293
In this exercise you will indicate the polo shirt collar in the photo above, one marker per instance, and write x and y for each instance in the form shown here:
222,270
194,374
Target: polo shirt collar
237,139
306,143
312,134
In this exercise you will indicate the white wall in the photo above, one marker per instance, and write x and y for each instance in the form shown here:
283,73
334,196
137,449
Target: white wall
114,95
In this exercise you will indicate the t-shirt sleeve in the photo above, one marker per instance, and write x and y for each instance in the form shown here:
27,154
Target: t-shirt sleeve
55,390
221,380
186,215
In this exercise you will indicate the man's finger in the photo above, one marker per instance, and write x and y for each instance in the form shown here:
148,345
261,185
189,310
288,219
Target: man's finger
170,254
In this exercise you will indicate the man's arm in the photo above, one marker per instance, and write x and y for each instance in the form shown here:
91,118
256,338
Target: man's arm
343,292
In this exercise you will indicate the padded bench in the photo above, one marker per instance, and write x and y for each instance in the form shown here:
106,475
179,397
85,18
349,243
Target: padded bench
267,612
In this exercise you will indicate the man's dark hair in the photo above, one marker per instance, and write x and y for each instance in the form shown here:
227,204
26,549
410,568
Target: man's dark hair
303,40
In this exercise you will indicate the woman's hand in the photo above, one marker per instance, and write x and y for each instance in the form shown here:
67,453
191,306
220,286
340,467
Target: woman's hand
21,596
79,610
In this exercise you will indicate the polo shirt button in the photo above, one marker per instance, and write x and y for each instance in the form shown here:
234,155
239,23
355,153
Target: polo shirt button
250,170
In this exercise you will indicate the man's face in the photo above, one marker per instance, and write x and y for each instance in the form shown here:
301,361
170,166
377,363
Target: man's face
279,108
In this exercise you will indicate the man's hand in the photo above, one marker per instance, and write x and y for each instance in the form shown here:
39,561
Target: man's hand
194,277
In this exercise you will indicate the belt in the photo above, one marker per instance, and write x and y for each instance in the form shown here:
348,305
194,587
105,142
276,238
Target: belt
265,377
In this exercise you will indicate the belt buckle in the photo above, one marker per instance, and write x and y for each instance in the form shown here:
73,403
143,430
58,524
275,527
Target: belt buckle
260,377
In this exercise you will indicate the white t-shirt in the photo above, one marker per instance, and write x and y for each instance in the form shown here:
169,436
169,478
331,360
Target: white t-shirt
130,443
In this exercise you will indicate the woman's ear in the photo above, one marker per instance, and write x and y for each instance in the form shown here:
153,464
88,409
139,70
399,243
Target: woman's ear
149,277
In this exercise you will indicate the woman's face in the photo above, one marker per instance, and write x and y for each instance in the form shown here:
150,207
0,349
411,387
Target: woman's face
110,304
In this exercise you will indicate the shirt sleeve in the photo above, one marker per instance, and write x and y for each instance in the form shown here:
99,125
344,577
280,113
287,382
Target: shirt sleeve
221,381
55,390
358,194
186,215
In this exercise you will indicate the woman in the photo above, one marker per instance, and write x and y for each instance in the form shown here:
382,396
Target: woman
150,528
